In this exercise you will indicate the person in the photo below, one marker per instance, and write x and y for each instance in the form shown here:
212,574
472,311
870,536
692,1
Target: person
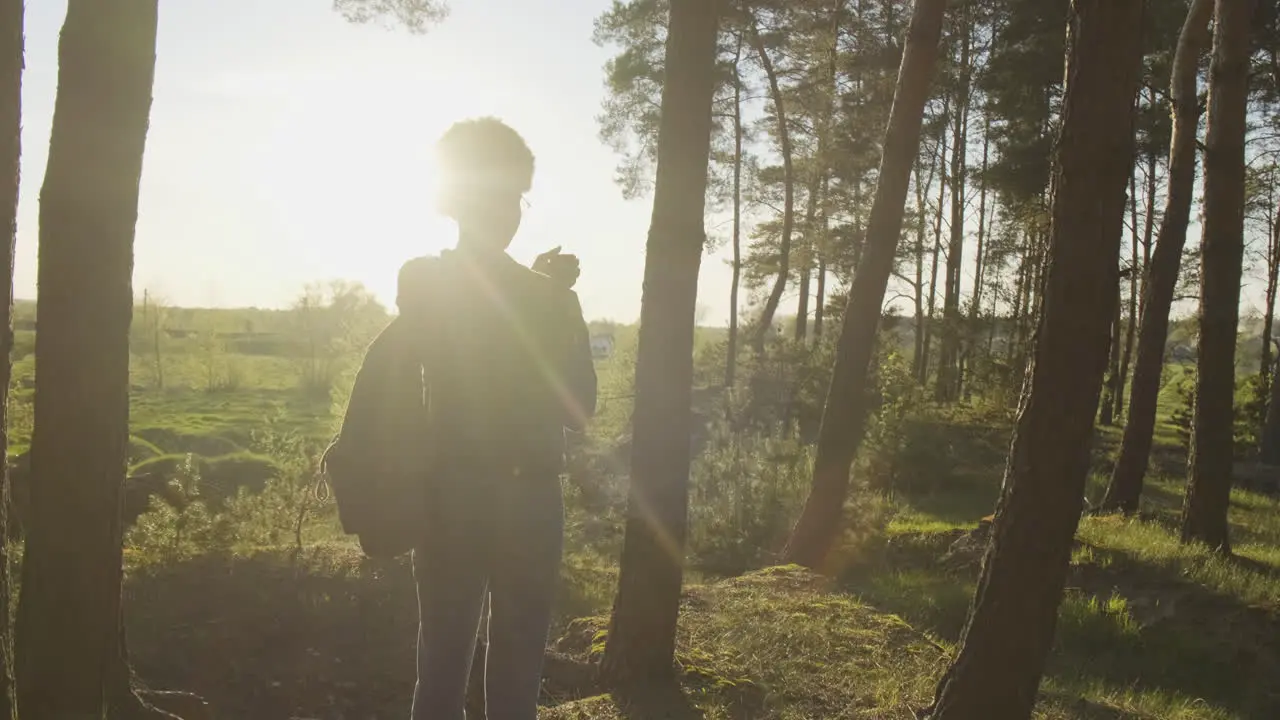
508,367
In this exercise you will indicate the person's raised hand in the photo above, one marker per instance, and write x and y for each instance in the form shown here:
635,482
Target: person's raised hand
561,267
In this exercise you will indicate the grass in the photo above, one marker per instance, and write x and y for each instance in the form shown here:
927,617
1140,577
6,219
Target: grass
1148,628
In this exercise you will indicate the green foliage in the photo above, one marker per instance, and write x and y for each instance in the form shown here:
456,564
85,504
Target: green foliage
1250,412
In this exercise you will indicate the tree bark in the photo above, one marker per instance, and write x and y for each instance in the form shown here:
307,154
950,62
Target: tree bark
69,638
1204,511
641,640
1006,641
771,303
731,353
1125,488
11,64
845,412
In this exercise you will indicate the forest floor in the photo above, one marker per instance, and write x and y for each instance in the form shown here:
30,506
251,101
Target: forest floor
1148,629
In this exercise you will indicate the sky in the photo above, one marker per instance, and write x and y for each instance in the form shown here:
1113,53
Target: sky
289,146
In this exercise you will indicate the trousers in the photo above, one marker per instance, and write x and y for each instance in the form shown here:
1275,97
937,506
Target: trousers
496,537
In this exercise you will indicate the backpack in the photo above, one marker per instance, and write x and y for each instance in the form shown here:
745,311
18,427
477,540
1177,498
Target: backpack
379,466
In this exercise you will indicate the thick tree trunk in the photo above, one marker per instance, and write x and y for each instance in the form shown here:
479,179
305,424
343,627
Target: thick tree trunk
765,325
1003,649
1125,487
731,352
69,636
947,387
1204,512
844,415
11,62
641,640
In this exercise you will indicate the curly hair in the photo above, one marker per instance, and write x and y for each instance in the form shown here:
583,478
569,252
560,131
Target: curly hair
482,155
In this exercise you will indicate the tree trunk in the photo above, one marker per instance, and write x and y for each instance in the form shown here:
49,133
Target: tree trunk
937,253
69,638
802,304
771,303
979,266
1107,410
1270,445
641,640
844,415
1125,487
1003,649
917,355
1148,228
949,353
1138,270
1204,511
11,62
819,248
806,252
820,298
731,352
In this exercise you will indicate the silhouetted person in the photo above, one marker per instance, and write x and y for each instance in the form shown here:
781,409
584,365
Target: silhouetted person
508,367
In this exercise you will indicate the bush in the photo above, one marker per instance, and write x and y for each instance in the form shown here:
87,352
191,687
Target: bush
745,493
1250,412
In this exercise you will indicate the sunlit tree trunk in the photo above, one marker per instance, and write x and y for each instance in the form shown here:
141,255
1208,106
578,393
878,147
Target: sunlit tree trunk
1204,512
1125,488
641,640
845,412
996,672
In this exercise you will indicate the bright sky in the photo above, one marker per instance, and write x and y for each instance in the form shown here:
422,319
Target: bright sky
288,146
